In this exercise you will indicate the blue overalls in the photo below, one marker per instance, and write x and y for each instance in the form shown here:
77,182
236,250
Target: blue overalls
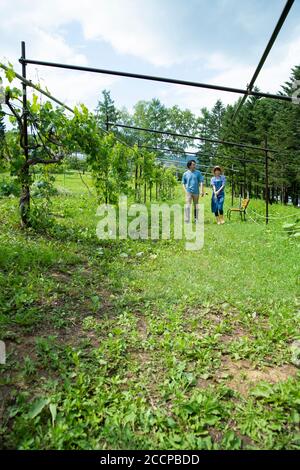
218,202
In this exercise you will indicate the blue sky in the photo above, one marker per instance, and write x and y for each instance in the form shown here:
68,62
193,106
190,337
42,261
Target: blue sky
217,41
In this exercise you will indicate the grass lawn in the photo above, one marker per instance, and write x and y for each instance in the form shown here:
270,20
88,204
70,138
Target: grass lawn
141,344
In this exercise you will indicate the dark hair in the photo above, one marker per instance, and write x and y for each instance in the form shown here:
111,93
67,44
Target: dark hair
189,163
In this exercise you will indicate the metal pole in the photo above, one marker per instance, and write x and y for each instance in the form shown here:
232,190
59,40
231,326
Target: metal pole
198,154
233,157
267,181
25,196
106,182
215,141
159,79
232,186
244,164
263,59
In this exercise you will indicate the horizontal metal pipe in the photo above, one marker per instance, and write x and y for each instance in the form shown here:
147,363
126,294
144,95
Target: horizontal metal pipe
156,79
223,142
269,46
199,154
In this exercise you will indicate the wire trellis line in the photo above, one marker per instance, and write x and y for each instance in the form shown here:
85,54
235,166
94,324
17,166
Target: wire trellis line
272,217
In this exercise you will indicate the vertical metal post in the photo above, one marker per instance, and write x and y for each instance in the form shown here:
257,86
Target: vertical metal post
106,184
244,164
25,196
267,179
24,86
145,184
232,186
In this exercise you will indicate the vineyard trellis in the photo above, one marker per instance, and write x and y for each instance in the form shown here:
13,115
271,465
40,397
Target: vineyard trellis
245,92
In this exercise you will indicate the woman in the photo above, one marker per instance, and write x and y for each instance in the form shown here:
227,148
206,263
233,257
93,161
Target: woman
218,182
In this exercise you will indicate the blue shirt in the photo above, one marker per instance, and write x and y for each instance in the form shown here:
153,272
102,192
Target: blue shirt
218,181
191,180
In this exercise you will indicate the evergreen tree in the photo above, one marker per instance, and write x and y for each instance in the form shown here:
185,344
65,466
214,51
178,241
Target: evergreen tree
106,111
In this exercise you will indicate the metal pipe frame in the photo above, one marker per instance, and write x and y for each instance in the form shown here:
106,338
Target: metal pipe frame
246,93
205,139
263,59
199,154
156,79
238,158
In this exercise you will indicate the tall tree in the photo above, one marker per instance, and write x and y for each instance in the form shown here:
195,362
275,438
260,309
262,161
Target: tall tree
106,110
150,115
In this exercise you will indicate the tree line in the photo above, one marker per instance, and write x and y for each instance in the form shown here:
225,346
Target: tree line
130,161
260,122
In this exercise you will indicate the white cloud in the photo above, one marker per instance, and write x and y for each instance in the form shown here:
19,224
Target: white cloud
54,47
233,74
280,63
47,43
194,99
146,29
72,88
140,28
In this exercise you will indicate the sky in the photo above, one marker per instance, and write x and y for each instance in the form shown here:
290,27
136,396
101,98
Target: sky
210,41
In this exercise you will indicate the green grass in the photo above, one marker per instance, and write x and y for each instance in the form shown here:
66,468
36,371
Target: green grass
162,349
70,181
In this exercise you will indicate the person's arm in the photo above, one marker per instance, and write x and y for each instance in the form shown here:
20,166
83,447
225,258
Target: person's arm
201,182
213,186
183,183
201,189
222,187
214,190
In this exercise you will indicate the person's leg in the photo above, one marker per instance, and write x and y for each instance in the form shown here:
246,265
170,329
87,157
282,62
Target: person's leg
217,217
187,207
221,202
196,208
221,216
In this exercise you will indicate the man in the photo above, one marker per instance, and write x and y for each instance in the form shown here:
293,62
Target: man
191,180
